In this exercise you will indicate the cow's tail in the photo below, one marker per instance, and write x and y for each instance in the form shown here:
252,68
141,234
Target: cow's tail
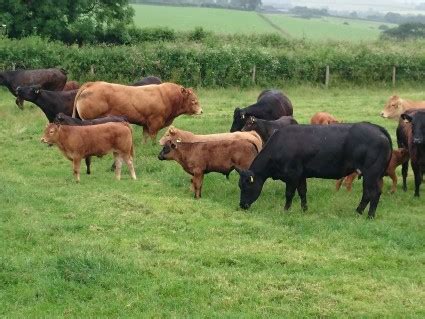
80,90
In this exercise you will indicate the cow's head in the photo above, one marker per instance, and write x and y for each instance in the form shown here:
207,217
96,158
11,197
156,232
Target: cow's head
29,93
191,103
250,186
169,135
250,124
239,119
51,134
393,108
417,121
169,150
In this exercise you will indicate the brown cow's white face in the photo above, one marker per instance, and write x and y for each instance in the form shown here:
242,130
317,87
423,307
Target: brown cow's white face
50,135
393,109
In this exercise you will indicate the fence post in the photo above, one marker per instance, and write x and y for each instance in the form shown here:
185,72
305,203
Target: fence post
254,70
327,77
92,69
13,66
394,75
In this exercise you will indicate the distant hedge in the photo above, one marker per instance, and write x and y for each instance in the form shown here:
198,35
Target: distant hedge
225,63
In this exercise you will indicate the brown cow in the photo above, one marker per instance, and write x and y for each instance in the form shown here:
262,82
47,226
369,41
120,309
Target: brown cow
173,134
398,157
151,106
199,158
323,118
78,142
71,85
396,106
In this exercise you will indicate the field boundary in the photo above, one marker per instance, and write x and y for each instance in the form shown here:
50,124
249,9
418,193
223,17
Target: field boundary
274,26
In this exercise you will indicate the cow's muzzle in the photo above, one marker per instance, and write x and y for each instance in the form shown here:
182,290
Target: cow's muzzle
383,115
161,156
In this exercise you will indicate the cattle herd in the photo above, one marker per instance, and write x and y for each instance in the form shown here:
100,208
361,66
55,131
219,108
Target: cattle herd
265,141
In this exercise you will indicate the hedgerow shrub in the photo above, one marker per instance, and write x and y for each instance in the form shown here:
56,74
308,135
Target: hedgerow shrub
223,63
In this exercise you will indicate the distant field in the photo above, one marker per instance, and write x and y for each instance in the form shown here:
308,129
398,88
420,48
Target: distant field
327,28
232,21
187,18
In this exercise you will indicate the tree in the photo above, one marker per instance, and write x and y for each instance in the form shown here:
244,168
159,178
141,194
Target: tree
405,31
71,21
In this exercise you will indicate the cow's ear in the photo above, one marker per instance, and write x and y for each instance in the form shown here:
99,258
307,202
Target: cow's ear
184,91
406,118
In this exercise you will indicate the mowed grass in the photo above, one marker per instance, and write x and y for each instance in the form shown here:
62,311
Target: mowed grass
328,28
211,19
233,21
146,248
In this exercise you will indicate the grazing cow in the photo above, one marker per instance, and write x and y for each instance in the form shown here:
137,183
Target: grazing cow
396,106
266,128
173,134
48,79
416,144
199,158
323,118
147,81
398,157
50,102
271,105
78,142
297,152
151,106
71,85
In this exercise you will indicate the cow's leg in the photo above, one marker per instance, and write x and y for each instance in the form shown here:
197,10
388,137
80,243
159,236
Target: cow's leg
197,183
404,170
374,190
76,162
418,177
154,127
129,161
365,197
88,162
145,135
302,192
19,102
339,183
118,165
349,181
393,177
289,194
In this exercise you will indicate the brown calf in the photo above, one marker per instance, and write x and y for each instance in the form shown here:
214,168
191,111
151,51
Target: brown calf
398,157
323,118
200,158
78,142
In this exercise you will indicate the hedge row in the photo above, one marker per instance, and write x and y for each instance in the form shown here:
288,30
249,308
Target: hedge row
200,64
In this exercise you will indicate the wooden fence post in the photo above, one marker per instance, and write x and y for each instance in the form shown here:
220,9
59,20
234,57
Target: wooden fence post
92,69
254,70
13,66
394,75
327,77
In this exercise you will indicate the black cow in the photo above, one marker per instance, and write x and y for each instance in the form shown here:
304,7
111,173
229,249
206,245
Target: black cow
64,119
266,128
297,152
416,145
271,105
48,79
50,102
147,80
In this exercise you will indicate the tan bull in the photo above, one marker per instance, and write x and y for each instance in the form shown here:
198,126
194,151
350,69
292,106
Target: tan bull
397,106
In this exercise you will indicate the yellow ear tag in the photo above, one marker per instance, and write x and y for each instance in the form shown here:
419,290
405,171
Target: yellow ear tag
242,116
251,179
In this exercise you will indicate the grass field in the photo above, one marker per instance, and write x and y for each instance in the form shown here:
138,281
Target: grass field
147,248
233,21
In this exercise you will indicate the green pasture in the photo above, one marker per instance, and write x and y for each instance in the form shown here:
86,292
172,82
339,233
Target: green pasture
328,28
146,248
211,19
234,21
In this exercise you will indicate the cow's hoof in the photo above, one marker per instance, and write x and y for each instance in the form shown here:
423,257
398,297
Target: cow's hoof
370,217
